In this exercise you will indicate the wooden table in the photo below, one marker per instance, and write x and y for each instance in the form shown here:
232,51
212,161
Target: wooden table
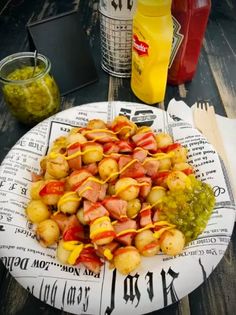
215,81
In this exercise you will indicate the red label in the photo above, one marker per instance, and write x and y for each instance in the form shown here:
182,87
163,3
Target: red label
140,47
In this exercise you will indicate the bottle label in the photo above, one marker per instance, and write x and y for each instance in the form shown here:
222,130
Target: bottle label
140,47
177,40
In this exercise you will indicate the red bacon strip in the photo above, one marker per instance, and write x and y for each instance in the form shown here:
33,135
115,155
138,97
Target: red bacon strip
145,140
116,207
93,211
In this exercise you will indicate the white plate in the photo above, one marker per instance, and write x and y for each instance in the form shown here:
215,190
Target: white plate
160,280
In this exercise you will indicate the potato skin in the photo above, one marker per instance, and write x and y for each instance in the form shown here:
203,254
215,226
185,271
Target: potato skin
35,189
180,155
163,139
47,232
96,124
164,164
98,225
80,216
50,199
61,253
75,137
177,180
57,167
131,190
156,194
182,166
106,167
95,155
119,125
143,239
59,145
37,211
172,242
128,260
69,203
133,208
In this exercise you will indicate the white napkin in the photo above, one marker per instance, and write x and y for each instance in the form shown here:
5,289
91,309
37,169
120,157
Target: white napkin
227,128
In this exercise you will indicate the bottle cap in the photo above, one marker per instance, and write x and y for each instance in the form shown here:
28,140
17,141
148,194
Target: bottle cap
154,7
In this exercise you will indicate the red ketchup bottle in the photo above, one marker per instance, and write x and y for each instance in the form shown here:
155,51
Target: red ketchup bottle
190,20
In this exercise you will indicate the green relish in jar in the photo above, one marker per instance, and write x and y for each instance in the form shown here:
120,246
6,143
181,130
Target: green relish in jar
30,92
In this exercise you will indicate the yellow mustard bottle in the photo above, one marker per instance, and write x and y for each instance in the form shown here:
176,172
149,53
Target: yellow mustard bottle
152,40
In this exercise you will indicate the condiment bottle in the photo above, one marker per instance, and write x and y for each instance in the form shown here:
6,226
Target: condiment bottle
152,39
190,20
28,89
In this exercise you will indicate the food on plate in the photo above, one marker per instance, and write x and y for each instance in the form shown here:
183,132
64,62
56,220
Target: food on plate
116,193
189,211
172,242
47,232
37,211
126,259
146,243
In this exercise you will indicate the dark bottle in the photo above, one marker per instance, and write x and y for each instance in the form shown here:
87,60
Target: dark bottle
190,20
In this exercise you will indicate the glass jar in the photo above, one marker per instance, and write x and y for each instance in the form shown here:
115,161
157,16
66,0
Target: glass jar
31,94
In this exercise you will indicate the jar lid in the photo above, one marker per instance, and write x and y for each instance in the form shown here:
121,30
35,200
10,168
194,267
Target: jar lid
21,60
154,7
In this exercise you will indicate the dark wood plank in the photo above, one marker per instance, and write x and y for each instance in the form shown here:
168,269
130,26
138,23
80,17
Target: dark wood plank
202,87
220,46
217,295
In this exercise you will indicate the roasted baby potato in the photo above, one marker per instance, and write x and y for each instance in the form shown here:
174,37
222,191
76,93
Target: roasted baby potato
172,242
47,232
96,124
35,189
133,208
57,166
37,211
177,180
163,139
146,243
75,137
62,254
68,203
92,152
107,167
126,259
156,194
127,188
